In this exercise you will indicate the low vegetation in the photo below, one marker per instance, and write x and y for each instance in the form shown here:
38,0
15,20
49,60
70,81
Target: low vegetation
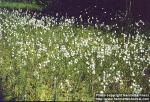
19,5
51,61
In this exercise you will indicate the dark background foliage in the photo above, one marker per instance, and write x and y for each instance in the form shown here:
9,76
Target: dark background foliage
103,9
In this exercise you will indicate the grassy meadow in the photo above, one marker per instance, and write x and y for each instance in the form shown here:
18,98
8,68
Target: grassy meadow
19,5
65,62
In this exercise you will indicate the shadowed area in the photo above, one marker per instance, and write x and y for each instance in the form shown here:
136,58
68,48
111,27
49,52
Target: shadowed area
104,10
1,95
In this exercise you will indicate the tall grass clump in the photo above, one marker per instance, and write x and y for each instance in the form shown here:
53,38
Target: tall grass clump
56,62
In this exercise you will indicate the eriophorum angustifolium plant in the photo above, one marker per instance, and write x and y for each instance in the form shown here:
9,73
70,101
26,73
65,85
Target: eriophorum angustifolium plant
53,61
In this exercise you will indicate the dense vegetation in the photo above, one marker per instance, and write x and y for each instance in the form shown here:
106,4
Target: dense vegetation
66,62
16,5
20,4
73,49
